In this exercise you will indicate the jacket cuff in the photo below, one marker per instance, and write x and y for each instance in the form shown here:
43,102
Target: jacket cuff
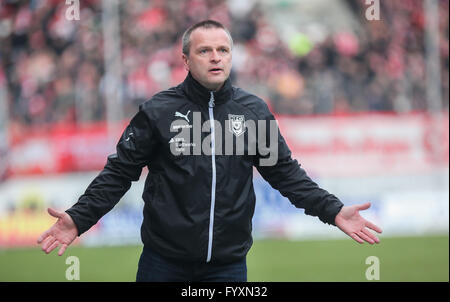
77,224
331,212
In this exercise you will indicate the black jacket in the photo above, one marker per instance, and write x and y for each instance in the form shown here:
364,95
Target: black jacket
197,207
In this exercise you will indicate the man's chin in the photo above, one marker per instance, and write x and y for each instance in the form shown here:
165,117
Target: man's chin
216,84
213,83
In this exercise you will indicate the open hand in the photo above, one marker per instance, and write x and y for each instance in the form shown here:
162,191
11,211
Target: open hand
63,232
352,224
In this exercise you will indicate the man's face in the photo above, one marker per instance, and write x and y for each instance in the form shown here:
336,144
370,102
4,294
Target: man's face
209,59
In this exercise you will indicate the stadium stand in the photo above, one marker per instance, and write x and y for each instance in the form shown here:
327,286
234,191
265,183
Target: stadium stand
54,69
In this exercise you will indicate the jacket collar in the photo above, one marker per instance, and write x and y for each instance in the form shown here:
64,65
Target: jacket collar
201,95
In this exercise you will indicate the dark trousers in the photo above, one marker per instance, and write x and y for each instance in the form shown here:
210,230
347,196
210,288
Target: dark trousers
155,268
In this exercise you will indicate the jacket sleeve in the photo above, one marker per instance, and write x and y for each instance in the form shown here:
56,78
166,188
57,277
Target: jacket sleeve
286,175
133,152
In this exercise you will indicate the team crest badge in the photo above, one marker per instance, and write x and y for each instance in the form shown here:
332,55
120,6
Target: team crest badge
237,124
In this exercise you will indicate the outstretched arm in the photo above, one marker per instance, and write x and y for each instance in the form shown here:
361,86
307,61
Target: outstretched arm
287,176
351,223
133,152
63,233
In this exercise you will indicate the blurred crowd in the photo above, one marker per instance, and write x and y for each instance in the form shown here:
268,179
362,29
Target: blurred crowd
379,67
54,68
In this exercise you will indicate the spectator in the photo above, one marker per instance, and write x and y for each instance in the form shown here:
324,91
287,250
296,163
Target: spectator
55,70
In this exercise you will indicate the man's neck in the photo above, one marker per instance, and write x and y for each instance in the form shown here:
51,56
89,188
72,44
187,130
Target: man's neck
210,88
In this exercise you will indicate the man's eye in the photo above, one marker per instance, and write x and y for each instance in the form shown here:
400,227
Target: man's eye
224,50
203,51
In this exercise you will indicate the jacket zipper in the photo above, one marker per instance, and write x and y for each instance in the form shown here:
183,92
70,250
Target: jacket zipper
213,186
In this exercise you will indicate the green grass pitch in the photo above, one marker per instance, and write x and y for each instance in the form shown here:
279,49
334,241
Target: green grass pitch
400,259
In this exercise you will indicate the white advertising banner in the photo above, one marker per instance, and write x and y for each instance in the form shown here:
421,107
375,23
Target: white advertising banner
398,163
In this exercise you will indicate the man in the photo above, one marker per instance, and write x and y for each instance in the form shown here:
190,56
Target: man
199,205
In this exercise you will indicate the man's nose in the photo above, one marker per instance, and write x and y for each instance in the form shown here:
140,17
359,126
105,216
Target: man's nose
215,56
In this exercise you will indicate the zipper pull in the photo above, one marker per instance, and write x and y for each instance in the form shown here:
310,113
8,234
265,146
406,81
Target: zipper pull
211,100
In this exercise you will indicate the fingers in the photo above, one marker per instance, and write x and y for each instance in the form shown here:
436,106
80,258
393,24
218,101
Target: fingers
364,206
48,242
48,232
53,246
55,213
62,249
365,237
372,226
356,238
372,236
43,236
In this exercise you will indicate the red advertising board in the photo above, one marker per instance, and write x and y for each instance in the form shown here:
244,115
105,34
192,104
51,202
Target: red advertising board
368,144
360,144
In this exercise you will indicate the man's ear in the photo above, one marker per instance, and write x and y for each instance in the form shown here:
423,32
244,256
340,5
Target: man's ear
185,61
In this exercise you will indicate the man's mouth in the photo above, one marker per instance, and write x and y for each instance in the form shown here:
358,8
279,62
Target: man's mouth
215,70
